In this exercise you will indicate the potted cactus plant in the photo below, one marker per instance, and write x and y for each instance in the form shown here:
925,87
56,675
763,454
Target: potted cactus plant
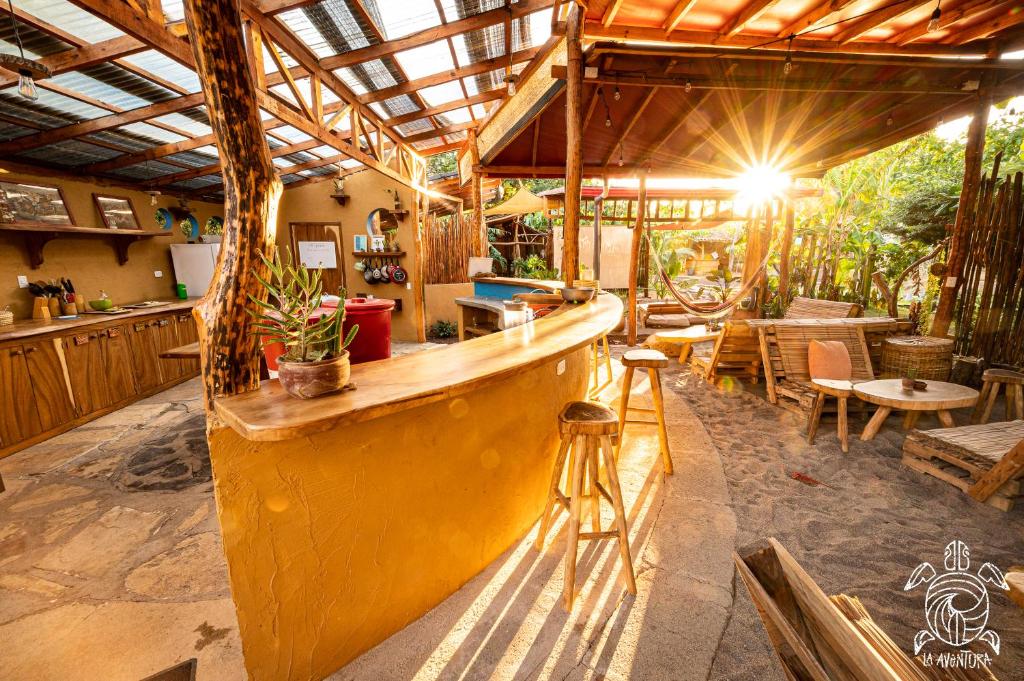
315,361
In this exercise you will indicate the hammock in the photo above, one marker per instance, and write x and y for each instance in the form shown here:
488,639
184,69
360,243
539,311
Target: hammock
710,310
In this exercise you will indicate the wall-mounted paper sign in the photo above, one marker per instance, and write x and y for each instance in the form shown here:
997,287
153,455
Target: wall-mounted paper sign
321,254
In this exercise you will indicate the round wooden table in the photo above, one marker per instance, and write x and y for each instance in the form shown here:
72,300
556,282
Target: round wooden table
684,338
888,394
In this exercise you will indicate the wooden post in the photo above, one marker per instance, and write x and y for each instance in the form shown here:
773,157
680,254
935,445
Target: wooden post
598,209
973,154
634,260
480,247
573,145
229,352
420,215
787,248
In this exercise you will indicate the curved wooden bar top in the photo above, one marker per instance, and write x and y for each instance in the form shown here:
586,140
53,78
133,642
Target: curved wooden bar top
387,386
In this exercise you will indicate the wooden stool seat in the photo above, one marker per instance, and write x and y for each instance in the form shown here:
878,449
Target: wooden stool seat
653,361
645,358
992,380
587,418
587,430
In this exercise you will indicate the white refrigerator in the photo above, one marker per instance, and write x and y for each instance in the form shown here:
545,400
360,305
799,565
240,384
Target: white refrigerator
193,266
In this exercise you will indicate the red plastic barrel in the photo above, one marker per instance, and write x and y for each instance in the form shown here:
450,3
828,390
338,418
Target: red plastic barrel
373,315
273,351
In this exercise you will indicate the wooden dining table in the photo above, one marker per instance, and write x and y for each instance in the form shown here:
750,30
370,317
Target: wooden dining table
939,397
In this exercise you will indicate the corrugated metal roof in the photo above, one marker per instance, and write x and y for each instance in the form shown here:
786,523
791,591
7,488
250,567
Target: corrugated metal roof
68,153
146,171
156,63
71,19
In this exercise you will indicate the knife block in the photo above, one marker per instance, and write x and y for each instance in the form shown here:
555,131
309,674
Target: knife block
40,308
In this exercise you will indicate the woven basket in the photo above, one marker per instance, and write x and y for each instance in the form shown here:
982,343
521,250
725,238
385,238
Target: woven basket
6,317
931,358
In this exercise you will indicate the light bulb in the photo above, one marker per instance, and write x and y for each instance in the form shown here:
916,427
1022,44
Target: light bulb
688,86
27,87
889,121
616,95
511,88
787,66
608,122
933,24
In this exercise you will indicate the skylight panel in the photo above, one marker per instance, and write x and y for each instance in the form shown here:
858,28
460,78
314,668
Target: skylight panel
404,17
166,68
349,163
12,48
349,78
68,106
151,131
539,26
185,123
174,10
323,151
293,135
285,93
307,32
379,109
71,19
282,162
426,60
441,94
460,9
98,90
479,110
458,115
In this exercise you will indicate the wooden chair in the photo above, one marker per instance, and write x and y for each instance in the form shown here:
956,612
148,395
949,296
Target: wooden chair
587,429
653,361
792,341
992,380
596,358
812,308
819,638
737,352
986,461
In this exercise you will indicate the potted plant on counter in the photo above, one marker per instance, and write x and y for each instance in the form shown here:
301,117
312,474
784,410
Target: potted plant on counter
315,361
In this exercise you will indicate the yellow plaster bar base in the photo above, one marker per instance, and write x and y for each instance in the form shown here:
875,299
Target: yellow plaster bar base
337,540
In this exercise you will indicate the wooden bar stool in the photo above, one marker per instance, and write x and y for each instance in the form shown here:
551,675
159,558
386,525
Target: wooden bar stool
595,352
992,379
653,361
587,430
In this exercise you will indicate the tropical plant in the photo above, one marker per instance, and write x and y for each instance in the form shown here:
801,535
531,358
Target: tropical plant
533,267
293,318
443,328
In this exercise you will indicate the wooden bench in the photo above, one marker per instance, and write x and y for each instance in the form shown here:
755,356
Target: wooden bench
985,461
736,353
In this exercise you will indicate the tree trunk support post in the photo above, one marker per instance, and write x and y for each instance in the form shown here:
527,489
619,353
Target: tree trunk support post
787,250
229,352
573,143
634,260
973,155
480,247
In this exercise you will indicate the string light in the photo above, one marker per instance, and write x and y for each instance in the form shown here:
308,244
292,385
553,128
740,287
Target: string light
28,70
616,95
608,122
933,23
621,161
787,66
889,121
688,87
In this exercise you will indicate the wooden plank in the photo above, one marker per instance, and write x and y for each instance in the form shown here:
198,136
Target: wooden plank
123,16
84,57
887,13
751,12
677,14
949,17
815,15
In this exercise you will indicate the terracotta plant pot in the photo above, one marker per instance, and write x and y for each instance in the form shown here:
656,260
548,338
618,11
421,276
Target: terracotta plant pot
307,380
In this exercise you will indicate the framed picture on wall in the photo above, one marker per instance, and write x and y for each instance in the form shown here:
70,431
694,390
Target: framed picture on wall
117,211
33,203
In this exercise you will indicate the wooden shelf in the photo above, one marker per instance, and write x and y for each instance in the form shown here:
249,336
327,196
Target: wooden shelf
342,199
379,254
36,236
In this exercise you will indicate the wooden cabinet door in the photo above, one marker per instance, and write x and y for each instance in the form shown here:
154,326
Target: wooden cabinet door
187,333
167,339
146,362
19,418
50,388
117,357
88,373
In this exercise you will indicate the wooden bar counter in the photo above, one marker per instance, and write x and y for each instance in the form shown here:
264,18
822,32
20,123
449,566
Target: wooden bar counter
347,517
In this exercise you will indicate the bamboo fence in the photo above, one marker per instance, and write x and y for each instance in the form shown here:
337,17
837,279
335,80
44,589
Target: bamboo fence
990,307
447,244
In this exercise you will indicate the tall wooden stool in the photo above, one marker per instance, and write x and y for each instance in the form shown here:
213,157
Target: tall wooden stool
596,348
992,379
842,391
653,361
587,430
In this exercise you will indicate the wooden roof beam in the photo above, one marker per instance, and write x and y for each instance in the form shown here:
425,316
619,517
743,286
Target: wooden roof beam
272,7
637,113
479,98
431,134
433,34
215,167
987,28
609,14
851,32
677,14
126,18
814,16
753,10
84,57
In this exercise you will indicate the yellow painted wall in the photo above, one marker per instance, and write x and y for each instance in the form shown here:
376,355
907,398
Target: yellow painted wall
91,262
366,191
440,301
339,540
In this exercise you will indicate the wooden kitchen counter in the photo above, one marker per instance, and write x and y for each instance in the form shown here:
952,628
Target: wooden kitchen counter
27,328
391,385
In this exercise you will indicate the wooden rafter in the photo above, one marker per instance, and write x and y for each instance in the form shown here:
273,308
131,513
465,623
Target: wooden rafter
610,13
751,12
987,28
948,18
812,17
851,32
447,130
215,167
633,119
84,57
677,14
479,98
